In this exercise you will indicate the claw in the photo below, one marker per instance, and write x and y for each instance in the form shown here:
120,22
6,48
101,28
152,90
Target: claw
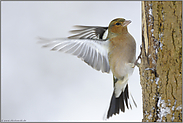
136,62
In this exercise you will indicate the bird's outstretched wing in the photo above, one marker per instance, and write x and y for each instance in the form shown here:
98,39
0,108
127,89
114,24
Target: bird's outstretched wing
93,52
89,32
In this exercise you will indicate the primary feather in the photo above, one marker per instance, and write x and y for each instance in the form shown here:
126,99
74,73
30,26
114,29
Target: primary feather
93,52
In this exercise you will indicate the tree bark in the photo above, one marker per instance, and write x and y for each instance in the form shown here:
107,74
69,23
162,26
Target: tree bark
161,62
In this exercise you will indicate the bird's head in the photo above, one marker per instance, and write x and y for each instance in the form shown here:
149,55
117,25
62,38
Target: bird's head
118,26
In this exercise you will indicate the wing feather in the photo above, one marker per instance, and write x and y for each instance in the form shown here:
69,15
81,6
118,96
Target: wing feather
93,52
89,32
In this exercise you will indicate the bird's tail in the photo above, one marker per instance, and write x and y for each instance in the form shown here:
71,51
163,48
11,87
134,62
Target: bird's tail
119,103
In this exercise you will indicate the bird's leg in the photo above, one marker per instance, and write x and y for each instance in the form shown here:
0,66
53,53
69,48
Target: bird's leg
136,62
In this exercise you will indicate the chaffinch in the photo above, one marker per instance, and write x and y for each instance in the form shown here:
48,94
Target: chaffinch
104,49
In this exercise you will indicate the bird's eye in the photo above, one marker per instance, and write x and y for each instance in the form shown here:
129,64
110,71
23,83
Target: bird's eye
118,23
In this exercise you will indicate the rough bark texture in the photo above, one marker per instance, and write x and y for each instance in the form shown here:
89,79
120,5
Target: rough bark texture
161,63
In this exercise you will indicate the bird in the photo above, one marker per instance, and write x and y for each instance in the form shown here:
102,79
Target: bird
106,49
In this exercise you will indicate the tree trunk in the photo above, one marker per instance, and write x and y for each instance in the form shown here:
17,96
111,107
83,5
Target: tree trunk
161,62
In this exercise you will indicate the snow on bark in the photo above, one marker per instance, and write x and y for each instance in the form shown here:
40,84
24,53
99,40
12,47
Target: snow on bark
163,110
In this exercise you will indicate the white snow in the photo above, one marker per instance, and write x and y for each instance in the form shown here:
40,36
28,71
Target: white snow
153,61
156,51
173,108
152,30
150,69
169,102
172,119
163,109
179,107
161,45
153,98
150,13
160,35
157,80
149,117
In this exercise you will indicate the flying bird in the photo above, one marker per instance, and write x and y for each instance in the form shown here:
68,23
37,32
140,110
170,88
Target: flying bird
105,49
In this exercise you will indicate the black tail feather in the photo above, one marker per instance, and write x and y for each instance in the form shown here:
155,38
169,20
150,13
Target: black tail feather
126,95
117,104
134,101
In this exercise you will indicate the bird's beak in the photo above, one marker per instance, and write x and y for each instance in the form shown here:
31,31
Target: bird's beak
126,22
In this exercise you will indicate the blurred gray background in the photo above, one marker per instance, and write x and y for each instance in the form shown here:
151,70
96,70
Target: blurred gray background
40,85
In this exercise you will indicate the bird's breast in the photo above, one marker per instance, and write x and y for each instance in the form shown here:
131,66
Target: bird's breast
122,52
